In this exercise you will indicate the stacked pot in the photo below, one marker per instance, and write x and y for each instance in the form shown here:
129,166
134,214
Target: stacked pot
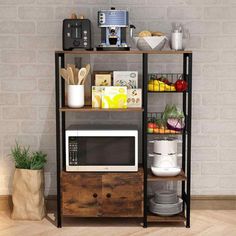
165,157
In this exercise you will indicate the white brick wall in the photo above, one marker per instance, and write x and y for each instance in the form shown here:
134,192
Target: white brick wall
30,32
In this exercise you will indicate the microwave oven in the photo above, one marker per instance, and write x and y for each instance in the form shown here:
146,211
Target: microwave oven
101,149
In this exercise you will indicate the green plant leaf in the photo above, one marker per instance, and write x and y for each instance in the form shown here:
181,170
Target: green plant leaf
38,160
21,156
24,159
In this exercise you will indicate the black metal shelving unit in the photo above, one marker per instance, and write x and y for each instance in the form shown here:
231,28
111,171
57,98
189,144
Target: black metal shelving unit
185,176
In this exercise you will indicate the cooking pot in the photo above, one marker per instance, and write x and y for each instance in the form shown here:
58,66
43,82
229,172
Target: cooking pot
164,161
165,146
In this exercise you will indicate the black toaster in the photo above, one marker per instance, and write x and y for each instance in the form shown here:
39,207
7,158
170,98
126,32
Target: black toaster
77,34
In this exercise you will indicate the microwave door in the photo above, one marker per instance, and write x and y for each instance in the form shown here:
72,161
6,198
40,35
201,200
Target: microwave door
106,153
110,151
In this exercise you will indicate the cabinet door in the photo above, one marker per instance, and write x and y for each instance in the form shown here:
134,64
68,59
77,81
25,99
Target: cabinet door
122,195
80,194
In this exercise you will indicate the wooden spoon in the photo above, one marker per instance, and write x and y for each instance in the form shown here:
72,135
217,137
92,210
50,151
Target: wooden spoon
82,75
87,69
74,71
71,75
64,75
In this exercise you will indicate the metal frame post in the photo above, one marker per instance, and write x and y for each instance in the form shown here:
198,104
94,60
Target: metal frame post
189,129
145,103
60,127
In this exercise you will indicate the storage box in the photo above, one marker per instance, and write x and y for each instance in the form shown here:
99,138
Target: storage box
97,96
134,98
126,78
101,76
114,97
102,79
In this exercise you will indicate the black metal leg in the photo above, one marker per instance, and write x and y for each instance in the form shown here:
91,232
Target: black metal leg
63,114
145,97
184,133
189,124
58,152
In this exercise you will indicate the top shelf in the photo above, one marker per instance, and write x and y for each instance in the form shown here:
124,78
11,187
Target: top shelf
137,52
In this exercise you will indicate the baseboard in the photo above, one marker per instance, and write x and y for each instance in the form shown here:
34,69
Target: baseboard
213,202
199,202
6,202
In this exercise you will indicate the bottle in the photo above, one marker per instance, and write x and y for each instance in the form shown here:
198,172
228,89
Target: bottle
177,40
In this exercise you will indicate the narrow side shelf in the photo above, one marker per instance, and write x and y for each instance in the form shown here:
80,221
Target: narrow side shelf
156,218
166,92
90,109
167,133
180,177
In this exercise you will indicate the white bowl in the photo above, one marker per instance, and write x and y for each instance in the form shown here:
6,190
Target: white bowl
165,209
165,171
158,42
165,197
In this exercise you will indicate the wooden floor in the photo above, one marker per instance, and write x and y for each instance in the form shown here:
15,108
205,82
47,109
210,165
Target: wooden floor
204,223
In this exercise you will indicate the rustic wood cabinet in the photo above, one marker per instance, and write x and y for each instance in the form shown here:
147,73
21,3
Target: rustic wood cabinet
81,194
102,194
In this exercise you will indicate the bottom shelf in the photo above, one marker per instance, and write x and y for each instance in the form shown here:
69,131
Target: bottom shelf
156,218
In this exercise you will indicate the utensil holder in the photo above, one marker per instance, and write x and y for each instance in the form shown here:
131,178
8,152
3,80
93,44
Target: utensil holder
75,96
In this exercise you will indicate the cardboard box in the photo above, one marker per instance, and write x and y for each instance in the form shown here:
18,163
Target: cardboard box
134,98
102,79
101,74
114,97
126,78
97,96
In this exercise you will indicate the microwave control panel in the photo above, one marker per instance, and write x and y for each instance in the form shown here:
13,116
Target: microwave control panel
73,151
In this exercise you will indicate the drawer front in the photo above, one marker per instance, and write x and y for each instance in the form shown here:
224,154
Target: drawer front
122,195
81,194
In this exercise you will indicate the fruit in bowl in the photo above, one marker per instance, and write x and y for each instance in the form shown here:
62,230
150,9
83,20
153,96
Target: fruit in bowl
147,40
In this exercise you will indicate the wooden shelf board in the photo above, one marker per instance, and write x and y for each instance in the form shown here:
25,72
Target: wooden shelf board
180,177
166,133
156,218
90,109
137,52
167,92
64,172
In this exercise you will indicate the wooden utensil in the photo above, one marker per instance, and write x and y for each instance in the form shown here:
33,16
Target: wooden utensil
71,75
64,75
76,72
87,67
82,75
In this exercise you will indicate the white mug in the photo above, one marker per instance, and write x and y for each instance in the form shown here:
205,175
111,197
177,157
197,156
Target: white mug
75,96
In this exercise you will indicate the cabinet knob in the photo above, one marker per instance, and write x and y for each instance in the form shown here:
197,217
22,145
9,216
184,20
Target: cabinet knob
108,195
95,195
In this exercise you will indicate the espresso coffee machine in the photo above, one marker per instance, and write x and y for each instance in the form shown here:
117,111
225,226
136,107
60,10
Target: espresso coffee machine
113,24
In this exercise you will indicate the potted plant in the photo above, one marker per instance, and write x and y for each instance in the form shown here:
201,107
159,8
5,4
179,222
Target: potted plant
28,184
